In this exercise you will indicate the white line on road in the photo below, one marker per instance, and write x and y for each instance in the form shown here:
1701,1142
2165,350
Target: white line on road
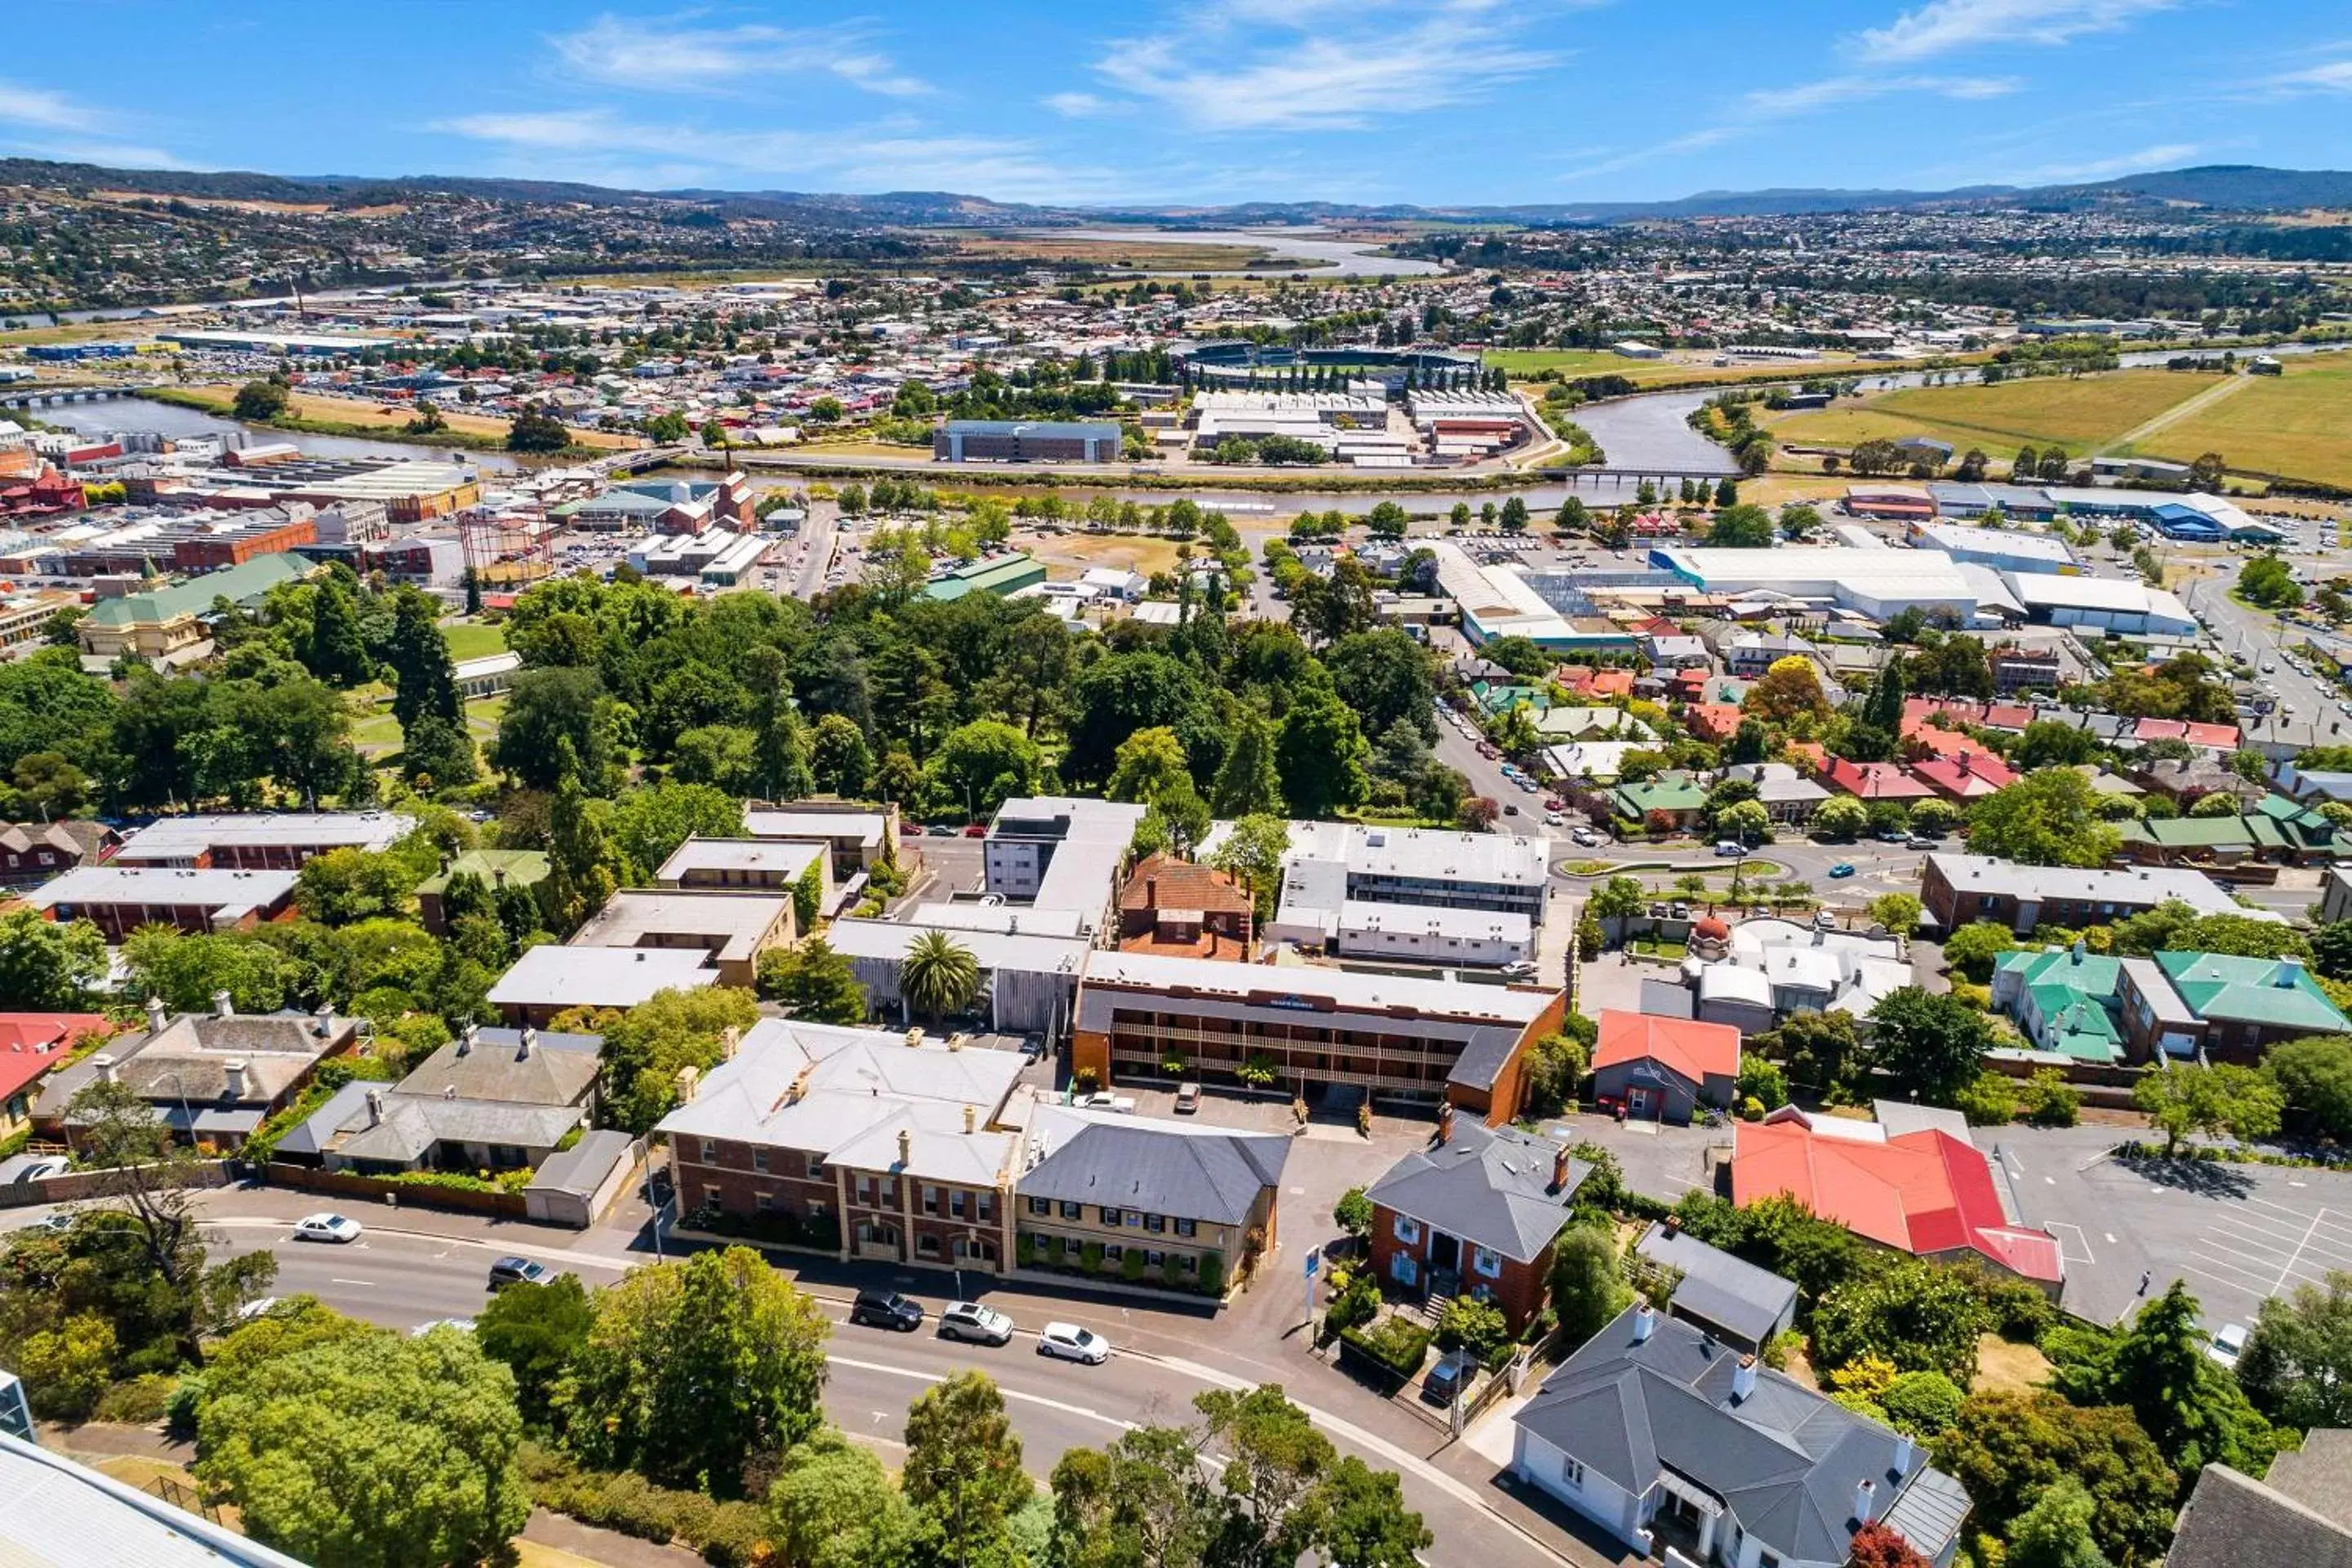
2298,1252
364,1284
1037,1399
2088,1256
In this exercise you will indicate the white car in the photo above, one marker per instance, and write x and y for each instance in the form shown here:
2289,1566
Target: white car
1070,1342
326,1227
1553,819
1103,1099
2229,1345
970,1320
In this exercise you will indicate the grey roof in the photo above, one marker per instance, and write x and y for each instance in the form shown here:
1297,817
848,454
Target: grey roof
1667,999
1162,1167
553,977
57,1513
187,1061
2233,1520
2318,1475
1490,1185
581,1169
1729,1292
483,1068
1785,1461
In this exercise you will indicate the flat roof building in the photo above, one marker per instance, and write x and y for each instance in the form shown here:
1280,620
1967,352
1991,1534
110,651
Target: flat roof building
549,980
119,900
1025,441
1879,584
732,925
253,841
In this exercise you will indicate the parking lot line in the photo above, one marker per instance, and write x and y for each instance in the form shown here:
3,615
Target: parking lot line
2088,1256
2299,1251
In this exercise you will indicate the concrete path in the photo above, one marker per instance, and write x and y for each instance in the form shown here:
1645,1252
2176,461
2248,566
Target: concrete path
2179,411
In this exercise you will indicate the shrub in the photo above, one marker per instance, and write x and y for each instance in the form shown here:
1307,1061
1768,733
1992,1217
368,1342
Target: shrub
1213,1274
1467,1323
1990,1101
138,1401
1392,1344
1172,1271
731,1534
1924,1404
2047,1100
1354,1305
1090,1257
1132,1264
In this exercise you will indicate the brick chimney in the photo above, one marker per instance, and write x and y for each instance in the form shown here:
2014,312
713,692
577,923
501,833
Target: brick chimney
1560,1169
1445,1122
233,1078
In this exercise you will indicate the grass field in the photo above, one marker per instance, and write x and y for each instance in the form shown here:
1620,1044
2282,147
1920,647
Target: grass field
1146,255
2082,415
380,418
2298,424
1699,369
473,639
1068,556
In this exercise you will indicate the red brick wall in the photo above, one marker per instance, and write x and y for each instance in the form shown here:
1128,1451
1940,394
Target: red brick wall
1519,1290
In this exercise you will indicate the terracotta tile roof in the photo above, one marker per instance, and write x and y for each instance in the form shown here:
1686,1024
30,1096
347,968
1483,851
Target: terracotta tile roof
1872,781
1692,1048
1161,882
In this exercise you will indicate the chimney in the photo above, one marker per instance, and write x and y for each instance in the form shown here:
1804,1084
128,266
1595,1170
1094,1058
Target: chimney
465,1037
1445,1122
2290,970
955,1042
222,1006
906,1147
157,1014
524,1042
323,1020
1866,1498
103,1064
1152,892
233,1078
1906,1450
1743,1378
730,1038
1673,1224
971,1118
1645,1324
1560,1169
375,1106
498,877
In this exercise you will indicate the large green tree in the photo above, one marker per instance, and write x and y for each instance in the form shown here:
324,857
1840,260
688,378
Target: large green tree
2046,819
938,976
2009,1448
535,1332
2297,1365
1321,752
1931,1044
834,1506
48,966
963,1471
2182,1100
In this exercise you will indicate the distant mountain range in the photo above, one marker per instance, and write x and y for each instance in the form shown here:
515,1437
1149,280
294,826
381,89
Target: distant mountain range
2234,188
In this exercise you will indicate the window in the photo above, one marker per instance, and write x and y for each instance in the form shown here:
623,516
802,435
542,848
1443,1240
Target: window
764,1202
1572,1470
1402,1269
711,1195
816,1209
1155,1223
1185,1227
759,1160
1767,1560
1071,1210
1111,1217
1155,1259
1486,1262
710,1151
931,1198
1191,1264
816,1167
958,1201
928,1244
988,1205
1408,1230
1041,1206
1114,1253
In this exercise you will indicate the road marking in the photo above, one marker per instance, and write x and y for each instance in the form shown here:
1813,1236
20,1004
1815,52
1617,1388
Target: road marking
2110,1235
1026,1398
2088,1256
364,1284
2298,1252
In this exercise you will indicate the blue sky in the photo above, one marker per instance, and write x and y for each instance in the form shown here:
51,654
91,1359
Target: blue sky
1436,102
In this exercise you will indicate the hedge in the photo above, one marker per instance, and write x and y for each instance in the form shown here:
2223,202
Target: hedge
730,1534
1392,1344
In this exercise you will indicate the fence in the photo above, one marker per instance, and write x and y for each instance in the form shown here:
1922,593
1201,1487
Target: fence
75,1185
423,1194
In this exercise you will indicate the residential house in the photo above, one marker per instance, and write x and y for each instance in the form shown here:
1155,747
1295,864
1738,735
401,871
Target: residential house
888,1147
1675,798
1598,762
1966,777
36,851
859,836
775,866
1744,1307
30,1044
1788,967
2241,1007
260,841
1663,1069
1748,653
212,1078
732,925
1874,782
2300,1512
1475,1213
1713,722
1929,1192
1572,723
119,900
491,1099
495,869
1169,905
1675,1443
1787,796
550,979
1194,1204
2016,669
1956,890
2068,1001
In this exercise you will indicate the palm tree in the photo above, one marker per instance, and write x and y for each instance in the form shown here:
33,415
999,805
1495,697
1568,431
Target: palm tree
938,976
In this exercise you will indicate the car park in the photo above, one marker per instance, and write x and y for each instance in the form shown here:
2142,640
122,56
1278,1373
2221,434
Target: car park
1067,1341
512,1270
970,1320
332,1228
886,1309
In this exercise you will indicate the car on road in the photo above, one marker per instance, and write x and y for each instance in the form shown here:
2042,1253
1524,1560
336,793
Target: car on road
1919,841
1509,809
1585,836
1489,750
512,1271
940,830
332,1227
1188,1099
886,1309
1554,820
976,830
1892,836
1843,869
1727,847
1067,1341
2228,1344
970,1320
56,1224
1555,803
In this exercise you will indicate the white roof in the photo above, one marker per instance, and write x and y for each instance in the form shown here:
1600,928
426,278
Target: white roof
736,918
163,885
2135,887
2011,542
2132,597
1028,921
1344,988
788,858
552,976
1920,574
1734,983
1436,854
185,837
863,826
1024,951
1434,920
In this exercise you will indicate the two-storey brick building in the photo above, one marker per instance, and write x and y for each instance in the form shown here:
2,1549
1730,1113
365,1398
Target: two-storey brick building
1475,1214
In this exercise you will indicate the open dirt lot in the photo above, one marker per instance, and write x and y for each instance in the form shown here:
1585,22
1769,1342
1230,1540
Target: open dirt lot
393,417
1070,555
2081,413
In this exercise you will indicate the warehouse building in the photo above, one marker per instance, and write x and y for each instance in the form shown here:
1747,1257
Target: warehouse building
2004,549
1024,441
1879,584
2102,605
1028,981
1003,575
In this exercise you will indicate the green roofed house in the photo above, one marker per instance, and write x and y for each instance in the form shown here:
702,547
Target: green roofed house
1003,575
495,867
2242,1006
166,625
2067,1001
2275,828
1679,795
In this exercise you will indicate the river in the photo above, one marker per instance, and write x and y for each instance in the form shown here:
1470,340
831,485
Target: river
1283,244
113,414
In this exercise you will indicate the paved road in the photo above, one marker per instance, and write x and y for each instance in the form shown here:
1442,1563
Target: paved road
415,1269
817,534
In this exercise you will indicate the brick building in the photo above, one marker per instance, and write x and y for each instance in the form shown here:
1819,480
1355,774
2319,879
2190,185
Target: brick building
1475,1214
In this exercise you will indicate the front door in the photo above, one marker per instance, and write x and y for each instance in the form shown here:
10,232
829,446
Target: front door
1637,1101
1444,1251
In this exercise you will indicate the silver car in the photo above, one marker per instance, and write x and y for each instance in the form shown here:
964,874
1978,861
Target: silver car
970,1320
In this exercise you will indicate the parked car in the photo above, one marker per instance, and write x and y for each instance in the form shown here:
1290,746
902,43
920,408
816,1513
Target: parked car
886,1309
1682,910
940,830
1188,1099
1555,803
1450,1378
1067,1341
1554,820
511,1270
1730,847
1892,836
1489,750
332,1227
2228,1344
970,1320
976,830
1841,869
1103,1099
1585,836
1919,841
56,1224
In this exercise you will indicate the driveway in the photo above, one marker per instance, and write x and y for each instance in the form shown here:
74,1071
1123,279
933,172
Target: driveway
1660,1162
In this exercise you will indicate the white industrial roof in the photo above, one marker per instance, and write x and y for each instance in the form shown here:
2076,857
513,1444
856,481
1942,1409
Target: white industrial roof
1021,952
163,885
788,858
2008,542
736,916
1435,919
1344,988
55,1513
552,976
185,837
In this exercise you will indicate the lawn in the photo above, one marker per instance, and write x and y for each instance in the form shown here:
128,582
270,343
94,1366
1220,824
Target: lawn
473,639
2080,413
2298,424
2006,1368
1145,254
1572,363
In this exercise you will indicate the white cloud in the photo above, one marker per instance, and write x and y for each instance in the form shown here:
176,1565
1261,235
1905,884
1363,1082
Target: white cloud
669,57
44,109
2336,76
2165,155
1766,105
1076,105
1319,65
1942,26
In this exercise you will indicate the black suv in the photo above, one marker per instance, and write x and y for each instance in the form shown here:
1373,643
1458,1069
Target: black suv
886,1309
509,1271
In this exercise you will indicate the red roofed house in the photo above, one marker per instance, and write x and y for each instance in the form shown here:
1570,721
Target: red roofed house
1872,781
1925,1193
1713,721
1928,741
1969,776
30,1044
2220,737
1663,1069
1612,683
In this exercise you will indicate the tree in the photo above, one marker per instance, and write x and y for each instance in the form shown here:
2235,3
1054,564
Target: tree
2046,819
2193,1410
1917,1316
1620,898
1321,752
833,1506
647,1046
984,764
2055,1532
964,1472
148,1176
2314,1076
1249,782
2186,1099
1931,1044
535,429
66,1369
1388,678
1252,855
1353,1212
2008,1450
1972,951
48,966
1841,817
1899,912
1761,1081
693,1367
2297,1365
1356,1518
1515,515
839,757
1790,688
2269,581
376,1450
813,981
780,748
1741,527
1587,1292
547,709
1877,1545
333,651
260,401
1148,767
2046,742
1555,1068
937,977
581,863
535,1330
